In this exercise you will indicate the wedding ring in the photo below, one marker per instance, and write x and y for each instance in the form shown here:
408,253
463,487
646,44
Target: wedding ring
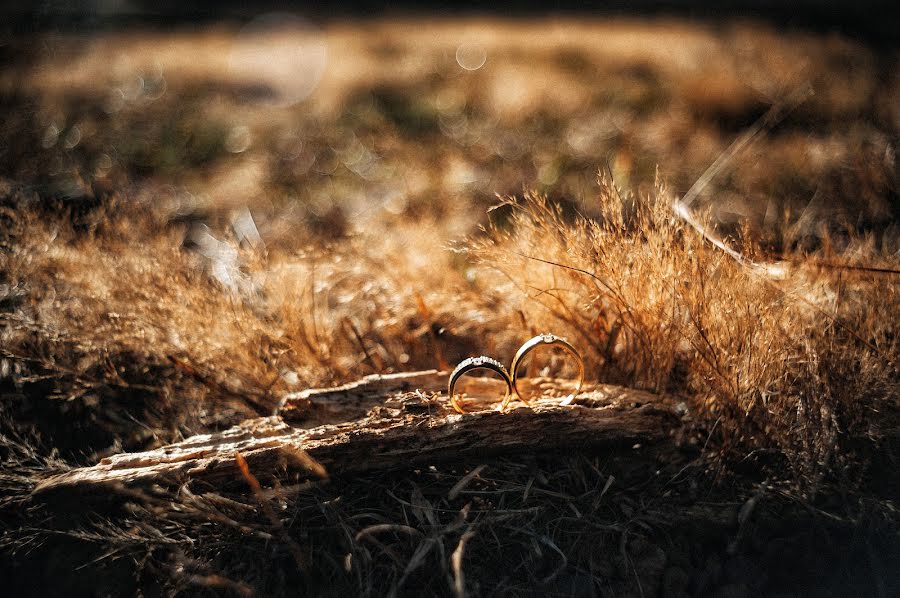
477,363
527,347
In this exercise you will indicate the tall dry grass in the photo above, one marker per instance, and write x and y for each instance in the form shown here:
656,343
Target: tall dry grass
181,327
802,368
147,307
114,308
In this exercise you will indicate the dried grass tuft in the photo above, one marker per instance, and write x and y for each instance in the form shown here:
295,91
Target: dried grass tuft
796,367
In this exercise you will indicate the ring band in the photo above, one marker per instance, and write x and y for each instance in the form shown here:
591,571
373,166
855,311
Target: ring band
527,347
477,363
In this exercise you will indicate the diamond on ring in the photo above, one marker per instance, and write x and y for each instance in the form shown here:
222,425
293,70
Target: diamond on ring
544,339
472,363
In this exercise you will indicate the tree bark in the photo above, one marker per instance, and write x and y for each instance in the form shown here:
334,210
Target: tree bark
388,422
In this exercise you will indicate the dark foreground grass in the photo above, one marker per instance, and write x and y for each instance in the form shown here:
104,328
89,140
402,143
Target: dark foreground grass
557,524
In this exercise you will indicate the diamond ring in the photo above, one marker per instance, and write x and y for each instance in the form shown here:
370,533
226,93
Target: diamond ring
477,363
533,343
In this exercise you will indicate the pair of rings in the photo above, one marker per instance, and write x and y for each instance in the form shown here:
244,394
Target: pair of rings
511,377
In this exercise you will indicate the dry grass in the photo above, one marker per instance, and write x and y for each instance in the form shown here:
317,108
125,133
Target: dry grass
657,307
177,261
651,304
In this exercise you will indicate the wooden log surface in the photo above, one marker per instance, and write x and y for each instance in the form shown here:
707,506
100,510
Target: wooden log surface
389,422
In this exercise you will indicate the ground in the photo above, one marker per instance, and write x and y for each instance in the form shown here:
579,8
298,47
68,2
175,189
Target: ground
198,221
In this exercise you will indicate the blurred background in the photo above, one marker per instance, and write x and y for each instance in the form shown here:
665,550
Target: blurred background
343,116
257,144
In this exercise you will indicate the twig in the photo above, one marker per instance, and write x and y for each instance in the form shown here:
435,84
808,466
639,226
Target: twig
772,116
459,580
778,269
464,481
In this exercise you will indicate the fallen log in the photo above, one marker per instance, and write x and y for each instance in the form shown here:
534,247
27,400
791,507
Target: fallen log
387,422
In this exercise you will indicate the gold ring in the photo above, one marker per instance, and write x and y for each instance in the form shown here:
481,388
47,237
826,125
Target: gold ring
477,363
543,339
